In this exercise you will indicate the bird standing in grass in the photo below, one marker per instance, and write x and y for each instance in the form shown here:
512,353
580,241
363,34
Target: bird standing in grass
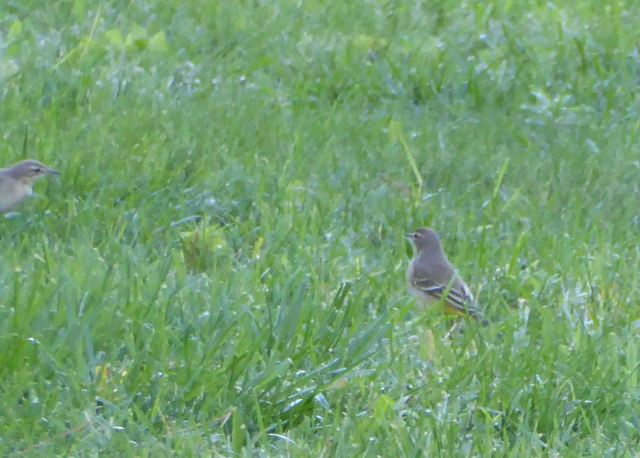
432,278
16,182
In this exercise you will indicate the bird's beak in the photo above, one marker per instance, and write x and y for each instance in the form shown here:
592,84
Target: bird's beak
409,235
52,172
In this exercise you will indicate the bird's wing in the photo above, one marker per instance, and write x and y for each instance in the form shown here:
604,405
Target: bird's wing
458,296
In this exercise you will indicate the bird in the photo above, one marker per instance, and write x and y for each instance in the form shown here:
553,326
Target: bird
16,182
431,277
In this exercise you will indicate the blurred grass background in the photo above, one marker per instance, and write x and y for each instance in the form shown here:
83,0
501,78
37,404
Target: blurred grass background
220,268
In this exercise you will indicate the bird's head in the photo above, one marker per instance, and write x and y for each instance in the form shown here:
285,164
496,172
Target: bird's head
424,238
29,171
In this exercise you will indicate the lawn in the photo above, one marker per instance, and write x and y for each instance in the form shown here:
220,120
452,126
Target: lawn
220,268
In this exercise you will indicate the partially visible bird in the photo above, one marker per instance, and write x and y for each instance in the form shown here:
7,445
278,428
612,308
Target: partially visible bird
16,182
432,278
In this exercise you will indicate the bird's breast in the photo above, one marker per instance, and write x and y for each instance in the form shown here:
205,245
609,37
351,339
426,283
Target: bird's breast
425,299
12,193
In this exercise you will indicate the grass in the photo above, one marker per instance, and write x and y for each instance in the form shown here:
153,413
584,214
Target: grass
220,268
